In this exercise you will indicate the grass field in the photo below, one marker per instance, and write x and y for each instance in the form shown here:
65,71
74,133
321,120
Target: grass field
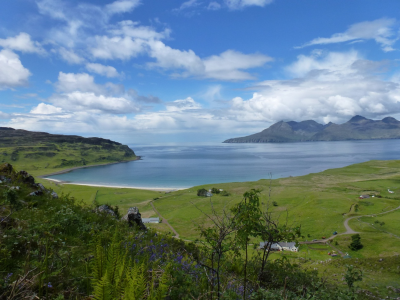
318,202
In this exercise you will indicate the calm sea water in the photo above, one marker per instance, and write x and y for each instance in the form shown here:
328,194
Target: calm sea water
186,166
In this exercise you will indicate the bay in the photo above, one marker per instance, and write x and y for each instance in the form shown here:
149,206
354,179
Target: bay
183,166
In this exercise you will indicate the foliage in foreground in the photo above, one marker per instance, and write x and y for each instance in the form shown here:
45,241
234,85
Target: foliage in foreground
61,249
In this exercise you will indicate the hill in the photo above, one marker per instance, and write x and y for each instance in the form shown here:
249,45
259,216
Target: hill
357,128
41,152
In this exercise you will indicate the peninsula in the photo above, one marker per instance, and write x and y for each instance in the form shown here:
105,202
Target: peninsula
43,153
357,128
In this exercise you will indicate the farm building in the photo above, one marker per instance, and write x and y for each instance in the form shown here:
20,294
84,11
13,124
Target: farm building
151,220
281,246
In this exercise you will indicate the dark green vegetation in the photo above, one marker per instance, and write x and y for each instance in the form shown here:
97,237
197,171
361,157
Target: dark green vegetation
43,153
58,248
319,202
357,128
356,242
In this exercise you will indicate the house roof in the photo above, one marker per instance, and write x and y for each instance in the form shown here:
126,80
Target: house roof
289,245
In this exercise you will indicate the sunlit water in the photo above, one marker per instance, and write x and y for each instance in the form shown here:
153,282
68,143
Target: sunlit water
186,166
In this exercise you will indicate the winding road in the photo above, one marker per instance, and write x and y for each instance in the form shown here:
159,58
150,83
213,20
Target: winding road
348,228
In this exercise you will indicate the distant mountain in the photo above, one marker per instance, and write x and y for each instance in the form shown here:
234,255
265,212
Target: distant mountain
357,128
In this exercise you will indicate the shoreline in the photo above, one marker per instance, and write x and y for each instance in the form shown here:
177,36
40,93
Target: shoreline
88,166
155,189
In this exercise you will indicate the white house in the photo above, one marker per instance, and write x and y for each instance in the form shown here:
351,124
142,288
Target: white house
281,246
151,220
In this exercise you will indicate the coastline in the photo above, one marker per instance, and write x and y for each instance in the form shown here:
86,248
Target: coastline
155,189
88,166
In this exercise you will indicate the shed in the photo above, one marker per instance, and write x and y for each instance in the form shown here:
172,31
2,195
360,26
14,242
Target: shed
151,220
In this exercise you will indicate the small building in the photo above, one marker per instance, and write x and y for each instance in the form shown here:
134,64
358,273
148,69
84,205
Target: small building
209,194
281,246
151,220
364,196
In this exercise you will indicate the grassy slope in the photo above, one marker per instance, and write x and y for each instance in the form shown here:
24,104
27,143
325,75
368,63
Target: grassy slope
316,201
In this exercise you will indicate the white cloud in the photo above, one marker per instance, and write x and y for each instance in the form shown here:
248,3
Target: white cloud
332,87
70,56
213,6
188,4
383,31
89,101
100,69
82,82
238,4
117,47
12,72
229,65
181,105
4,116
226,66
23,43
121,6
45,109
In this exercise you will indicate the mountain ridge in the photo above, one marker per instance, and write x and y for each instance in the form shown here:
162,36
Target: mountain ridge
357,128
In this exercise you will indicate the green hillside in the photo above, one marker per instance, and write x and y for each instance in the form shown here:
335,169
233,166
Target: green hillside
44,153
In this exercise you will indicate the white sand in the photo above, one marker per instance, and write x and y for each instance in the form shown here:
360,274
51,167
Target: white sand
156,189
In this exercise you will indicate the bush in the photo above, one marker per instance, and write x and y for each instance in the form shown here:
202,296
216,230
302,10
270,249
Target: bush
202,192
225,193
215,191
356,242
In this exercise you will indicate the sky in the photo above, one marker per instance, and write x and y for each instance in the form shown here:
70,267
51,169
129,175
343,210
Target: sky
196,71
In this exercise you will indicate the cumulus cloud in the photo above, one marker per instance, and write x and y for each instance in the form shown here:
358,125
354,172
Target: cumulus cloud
70,56
384,31
181,105
121,6
23,43
89,101
229,65
331,87
82,82
100,69
45,109
239,4
12,72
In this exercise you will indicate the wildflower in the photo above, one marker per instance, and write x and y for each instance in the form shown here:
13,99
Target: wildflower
49,285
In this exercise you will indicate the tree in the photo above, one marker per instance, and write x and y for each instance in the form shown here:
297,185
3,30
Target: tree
215,190
202,192
352,275
217,241
248,223
356,242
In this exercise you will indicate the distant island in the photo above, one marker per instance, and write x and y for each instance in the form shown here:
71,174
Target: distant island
357,128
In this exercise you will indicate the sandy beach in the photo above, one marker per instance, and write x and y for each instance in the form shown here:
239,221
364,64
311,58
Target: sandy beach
156,189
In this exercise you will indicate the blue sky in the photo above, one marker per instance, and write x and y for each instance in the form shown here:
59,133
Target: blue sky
157,71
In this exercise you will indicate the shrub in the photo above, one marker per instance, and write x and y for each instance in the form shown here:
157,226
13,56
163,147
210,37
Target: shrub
202,192
356,242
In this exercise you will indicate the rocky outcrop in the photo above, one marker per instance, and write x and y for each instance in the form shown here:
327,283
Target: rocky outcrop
134,217
8,175
106,210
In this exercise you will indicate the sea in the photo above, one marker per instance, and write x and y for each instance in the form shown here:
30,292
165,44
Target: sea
184,166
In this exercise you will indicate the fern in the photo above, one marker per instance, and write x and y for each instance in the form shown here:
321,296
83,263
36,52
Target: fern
135,288
102,289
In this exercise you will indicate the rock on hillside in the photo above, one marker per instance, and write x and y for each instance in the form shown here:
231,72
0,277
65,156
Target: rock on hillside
357,128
